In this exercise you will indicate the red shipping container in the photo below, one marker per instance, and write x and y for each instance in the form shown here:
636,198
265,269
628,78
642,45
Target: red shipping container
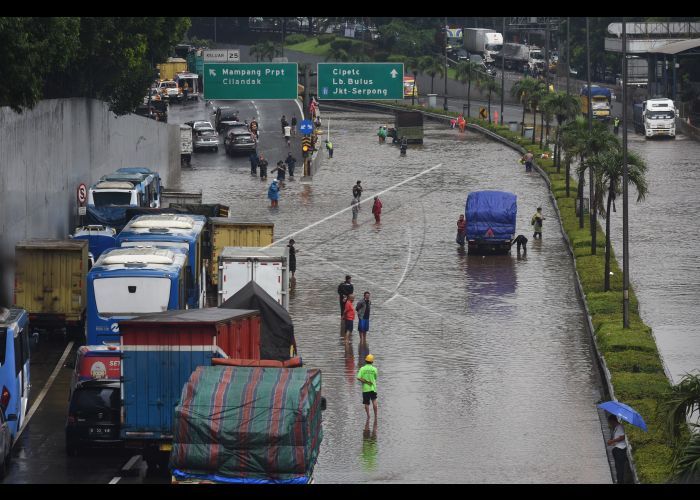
236,332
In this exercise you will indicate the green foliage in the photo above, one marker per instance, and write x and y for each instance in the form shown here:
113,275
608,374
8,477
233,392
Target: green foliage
341,44
630,385
114,59
295,38
633,360
33,48
325,38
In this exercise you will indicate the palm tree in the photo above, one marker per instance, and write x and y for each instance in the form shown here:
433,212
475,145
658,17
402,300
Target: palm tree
265,50
598,140
432,66
564,107
679,403
608,168
490,85
466,72
536,97
413,65
574,139
522,90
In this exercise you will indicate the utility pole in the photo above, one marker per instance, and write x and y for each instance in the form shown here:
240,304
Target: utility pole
568,63
503,69
625,213
591,184
215,30
444,102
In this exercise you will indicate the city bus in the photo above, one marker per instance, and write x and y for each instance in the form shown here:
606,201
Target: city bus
14,366
172,231
410,87
127,282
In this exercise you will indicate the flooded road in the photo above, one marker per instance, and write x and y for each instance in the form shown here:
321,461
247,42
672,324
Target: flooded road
664,261
485,368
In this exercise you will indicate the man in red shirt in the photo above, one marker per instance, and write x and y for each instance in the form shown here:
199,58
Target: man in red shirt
349,316
377,209
461,223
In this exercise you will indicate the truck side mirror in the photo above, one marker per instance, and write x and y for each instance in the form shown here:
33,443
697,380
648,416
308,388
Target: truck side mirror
12,417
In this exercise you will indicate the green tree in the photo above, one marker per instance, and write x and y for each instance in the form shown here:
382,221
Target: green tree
490,85
680,403
466,72
432,66
33,48
536,96
265,50
608,169
116,58
563,107
523,90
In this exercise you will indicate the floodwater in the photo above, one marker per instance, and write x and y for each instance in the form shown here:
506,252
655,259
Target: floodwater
485,367
664,260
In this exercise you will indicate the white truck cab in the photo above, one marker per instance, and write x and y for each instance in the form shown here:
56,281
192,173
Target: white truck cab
659,117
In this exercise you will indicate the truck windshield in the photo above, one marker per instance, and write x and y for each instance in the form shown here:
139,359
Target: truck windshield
494,47
536,54
661,115
106,198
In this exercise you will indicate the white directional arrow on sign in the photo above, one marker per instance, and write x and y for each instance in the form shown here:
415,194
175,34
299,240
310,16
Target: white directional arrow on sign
212,72
393,73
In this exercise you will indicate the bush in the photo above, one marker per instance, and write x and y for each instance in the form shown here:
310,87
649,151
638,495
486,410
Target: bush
381,56
341,44
639,385
325,38
634,361
295,38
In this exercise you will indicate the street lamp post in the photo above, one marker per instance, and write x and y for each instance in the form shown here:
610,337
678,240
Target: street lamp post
568,63
444,102
503,69
591,185
625,221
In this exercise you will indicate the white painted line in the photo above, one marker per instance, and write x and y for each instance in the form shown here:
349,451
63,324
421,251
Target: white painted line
405,270
366,200
301,110
46,388
115,480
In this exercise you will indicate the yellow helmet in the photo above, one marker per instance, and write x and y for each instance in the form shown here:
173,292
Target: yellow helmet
369,358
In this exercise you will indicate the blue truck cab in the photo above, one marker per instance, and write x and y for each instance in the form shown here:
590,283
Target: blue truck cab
99,238
14,367
126,282
491,218
172,231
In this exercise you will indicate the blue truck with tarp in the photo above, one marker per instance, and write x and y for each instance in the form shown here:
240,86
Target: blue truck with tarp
247,425
491,218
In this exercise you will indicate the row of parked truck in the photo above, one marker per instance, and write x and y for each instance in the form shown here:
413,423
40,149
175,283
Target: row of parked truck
151,341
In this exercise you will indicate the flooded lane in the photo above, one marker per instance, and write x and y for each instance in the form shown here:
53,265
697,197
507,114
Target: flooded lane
664,261
485,368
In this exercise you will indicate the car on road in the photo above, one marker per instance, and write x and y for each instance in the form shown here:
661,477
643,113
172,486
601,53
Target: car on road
93,416
238,140
205,138
238,126
461,55
197,124
5,442
224,117
169,90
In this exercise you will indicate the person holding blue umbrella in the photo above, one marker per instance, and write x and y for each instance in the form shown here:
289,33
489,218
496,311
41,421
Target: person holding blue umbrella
619,445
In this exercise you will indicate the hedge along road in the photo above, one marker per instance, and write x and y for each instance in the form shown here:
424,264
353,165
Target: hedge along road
486,370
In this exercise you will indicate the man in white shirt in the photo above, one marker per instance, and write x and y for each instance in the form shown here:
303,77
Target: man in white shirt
619,445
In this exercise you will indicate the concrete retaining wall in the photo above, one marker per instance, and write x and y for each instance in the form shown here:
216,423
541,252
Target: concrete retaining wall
47,151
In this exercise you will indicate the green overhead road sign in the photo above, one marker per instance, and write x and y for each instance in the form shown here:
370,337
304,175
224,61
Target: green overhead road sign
250,80
360,81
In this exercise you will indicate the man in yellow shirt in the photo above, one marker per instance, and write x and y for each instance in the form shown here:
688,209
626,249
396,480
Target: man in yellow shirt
368,376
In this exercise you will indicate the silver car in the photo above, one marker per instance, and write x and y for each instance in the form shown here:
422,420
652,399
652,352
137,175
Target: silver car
206,138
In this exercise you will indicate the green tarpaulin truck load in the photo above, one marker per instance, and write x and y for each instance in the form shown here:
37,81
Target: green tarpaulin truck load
247,425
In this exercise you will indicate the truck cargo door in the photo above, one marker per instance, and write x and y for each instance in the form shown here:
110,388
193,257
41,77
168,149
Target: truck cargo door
269,276
235,275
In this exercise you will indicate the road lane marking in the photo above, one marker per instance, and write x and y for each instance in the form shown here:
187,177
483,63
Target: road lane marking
115,480
405,270
46,388
366,200
301,110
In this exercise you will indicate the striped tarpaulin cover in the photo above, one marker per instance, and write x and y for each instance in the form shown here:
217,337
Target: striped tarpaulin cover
248,423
